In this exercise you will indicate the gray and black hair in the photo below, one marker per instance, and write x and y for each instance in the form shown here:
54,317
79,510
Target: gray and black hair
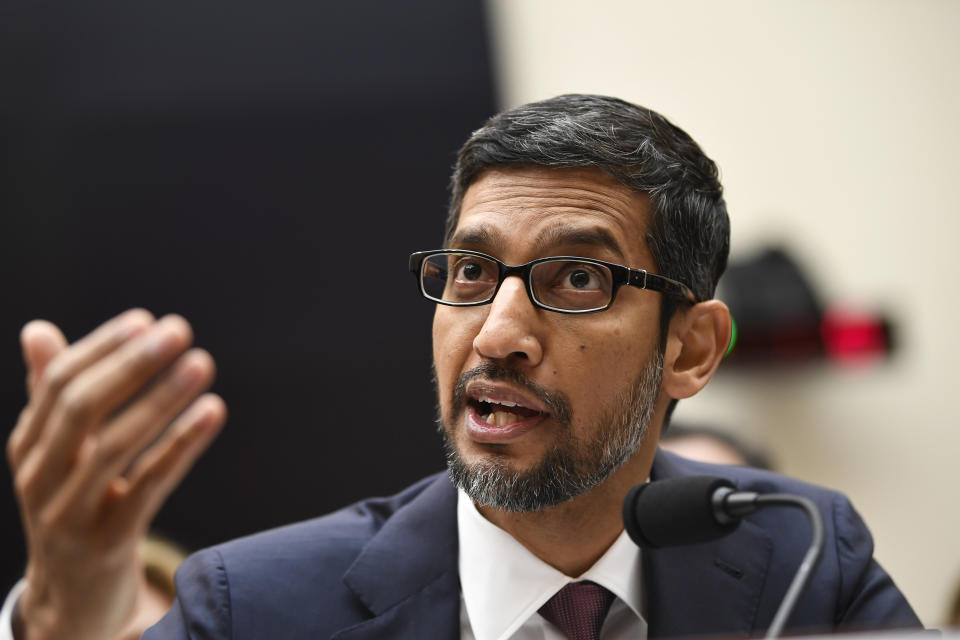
689,234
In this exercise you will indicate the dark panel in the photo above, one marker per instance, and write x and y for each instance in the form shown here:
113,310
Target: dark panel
264,170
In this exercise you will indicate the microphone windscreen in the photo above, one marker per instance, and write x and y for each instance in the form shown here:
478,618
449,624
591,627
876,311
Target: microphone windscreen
673,512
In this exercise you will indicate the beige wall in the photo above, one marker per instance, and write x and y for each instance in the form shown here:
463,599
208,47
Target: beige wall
835,124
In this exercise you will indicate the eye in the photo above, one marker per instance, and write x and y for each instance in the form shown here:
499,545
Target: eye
469,270
580,276
571,284
581,279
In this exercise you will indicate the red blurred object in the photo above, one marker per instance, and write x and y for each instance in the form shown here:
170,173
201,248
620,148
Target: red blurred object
781,320
853,336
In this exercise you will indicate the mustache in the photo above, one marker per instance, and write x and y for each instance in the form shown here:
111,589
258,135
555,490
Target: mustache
557,402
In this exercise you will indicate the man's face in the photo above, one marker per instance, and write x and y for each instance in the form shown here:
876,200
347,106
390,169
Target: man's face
538,406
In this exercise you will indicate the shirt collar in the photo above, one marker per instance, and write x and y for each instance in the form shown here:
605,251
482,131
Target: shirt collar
503,583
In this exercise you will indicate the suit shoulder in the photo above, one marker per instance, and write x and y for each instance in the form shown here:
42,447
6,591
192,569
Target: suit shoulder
342,532
849,590
248,587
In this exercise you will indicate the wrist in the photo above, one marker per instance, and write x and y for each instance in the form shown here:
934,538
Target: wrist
33,626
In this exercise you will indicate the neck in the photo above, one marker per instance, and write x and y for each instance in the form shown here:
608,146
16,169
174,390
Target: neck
573,535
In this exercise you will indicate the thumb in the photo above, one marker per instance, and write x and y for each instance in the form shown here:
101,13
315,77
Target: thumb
41,341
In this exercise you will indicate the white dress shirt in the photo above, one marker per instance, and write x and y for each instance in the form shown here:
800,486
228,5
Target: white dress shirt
6,614
503,584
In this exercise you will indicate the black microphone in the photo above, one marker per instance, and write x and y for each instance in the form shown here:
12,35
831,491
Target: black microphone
695,509
678,511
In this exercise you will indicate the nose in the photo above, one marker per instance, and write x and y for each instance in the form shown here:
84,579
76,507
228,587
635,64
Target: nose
510,328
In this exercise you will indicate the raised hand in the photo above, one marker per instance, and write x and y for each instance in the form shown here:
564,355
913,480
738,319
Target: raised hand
113,423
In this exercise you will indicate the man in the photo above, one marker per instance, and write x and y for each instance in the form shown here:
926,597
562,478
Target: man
574,308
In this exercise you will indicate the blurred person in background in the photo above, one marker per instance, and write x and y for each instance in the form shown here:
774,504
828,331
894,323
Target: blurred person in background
953,616
574,308
709,444
160,559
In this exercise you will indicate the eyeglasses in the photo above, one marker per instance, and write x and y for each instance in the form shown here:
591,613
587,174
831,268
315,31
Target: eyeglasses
565,284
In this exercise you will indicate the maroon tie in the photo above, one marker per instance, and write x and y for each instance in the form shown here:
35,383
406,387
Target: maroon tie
578,610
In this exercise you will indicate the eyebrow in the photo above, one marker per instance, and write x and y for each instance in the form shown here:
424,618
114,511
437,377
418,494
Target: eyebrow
490,239
483,237
569,235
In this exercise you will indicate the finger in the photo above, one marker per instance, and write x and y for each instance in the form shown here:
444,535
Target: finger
91,395
50,365
40,341
50,377
158,472
128,435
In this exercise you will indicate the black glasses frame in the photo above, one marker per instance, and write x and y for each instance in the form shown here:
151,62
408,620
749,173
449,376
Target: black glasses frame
639,278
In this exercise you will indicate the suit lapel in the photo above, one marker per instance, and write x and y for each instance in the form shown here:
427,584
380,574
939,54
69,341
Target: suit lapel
705,589
407,574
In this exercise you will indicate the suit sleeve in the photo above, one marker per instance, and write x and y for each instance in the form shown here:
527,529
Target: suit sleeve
202,608
868,596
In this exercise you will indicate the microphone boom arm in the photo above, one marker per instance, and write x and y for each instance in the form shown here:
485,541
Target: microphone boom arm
810,560
695,509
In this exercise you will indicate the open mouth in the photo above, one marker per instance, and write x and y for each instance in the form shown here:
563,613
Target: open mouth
500,413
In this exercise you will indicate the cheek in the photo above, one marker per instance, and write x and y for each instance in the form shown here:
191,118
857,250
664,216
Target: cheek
608,356
611,342
452,346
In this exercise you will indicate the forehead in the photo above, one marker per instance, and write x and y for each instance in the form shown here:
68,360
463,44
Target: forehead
547,211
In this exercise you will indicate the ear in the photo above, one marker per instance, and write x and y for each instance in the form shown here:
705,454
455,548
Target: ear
697,339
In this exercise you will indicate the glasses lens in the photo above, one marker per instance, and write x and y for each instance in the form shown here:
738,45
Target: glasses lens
572,285
459,277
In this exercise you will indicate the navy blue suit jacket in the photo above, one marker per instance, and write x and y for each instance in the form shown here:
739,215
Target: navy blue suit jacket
387,568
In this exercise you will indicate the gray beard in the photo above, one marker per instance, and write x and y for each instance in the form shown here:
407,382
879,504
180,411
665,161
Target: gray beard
572,466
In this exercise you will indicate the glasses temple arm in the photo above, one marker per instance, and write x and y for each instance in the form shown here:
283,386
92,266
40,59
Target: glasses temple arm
644,280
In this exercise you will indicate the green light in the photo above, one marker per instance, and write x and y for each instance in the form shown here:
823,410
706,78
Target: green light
733,336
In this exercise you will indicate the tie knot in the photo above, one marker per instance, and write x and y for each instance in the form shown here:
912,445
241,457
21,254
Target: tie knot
578,610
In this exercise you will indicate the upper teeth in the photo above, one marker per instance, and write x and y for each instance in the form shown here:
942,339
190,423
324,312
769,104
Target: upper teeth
505,403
